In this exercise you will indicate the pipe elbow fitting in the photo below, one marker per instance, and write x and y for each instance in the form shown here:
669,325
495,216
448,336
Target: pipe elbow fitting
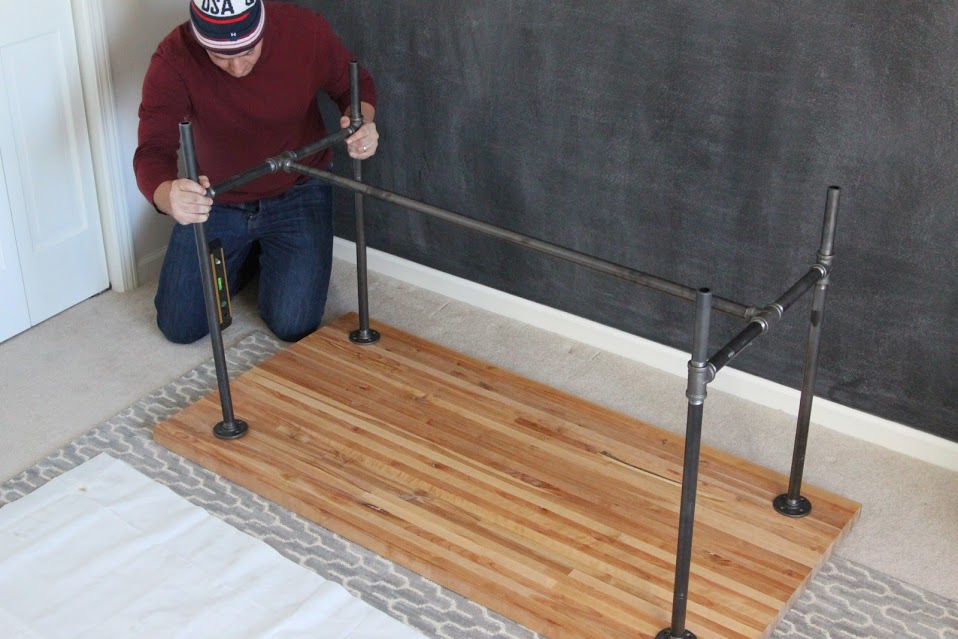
824,266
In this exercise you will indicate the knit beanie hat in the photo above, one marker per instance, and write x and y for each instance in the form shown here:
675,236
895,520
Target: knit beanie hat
227,26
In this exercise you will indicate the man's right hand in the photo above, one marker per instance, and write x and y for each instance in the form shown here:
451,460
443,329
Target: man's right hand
184,200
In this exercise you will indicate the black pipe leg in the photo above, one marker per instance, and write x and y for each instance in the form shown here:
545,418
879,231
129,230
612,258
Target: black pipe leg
699,377
792,503
364,334
683,554
230,427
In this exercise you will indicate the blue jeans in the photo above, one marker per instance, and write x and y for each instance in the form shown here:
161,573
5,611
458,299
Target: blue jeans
295,235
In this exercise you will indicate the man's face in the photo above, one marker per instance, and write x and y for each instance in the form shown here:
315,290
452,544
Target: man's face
239,64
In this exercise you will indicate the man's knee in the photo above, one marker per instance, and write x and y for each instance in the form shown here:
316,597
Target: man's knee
293,317
179,329
179,334
291,331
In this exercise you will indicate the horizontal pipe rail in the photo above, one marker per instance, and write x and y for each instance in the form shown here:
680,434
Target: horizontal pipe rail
274,164
764,320
735,346
616,270
802,286
321,145
238,180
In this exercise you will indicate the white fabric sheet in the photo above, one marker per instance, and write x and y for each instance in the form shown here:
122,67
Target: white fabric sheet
104,552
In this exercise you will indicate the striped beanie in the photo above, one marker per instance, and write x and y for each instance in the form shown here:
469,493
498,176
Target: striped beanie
227,26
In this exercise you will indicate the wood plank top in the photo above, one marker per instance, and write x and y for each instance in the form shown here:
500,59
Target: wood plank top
553,511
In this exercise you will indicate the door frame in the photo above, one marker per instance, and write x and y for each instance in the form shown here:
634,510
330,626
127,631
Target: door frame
101,115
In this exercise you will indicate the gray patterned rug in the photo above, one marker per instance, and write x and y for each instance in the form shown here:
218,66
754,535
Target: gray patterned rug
845,600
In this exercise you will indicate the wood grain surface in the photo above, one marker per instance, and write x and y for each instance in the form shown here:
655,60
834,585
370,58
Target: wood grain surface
555,512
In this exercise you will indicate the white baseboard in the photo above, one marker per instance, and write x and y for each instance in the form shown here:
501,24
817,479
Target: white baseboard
826,413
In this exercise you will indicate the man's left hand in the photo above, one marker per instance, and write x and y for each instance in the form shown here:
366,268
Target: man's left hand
362,144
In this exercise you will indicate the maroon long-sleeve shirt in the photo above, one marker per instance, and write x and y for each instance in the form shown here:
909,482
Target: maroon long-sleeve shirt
238,123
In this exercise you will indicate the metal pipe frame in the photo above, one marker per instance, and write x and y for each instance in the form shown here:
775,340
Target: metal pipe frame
702,369
766,319
702,372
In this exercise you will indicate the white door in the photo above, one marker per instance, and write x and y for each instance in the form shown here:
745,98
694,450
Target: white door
47,165
14,316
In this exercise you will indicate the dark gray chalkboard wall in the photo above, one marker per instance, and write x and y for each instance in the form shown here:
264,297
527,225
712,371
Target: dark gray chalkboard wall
694,140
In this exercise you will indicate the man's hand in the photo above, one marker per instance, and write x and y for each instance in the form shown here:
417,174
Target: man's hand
363,143
184,200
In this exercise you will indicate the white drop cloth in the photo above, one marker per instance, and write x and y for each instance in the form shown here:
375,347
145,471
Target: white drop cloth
104,552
